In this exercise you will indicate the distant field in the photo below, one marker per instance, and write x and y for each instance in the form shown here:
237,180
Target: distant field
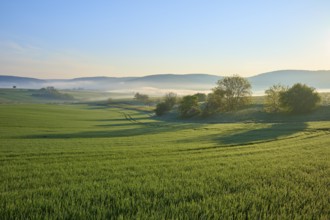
118,161
26,96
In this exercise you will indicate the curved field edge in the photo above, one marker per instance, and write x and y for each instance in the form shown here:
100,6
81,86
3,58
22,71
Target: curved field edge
79,161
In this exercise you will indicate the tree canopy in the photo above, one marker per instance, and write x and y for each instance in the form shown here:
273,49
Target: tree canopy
189,106
231,93
141,97
170,100
300,98
272,99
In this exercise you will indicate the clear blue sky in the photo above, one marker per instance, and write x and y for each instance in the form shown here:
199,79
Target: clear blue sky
65,39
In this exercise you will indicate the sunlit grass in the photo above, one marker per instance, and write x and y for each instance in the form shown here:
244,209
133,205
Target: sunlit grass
79,161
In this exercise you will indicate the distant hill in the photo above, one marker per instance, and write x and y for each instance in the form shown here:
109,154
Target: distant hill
316,79
10,81
103,78
196,81
161,81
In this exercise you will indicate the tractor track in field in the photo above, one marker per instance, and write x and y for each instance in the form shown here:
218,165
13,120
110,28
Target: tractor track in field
133,120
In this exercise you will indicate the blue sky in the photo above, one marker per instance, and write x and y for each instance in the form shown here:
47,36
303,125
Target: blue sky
65,39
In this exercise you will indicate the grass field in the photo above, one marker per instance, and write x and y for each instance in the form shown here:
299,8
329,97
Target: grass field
26,96
116,162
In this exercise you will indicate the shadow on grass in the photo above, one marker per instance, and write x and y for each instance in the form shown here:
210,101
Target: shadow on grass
274,132
277,131
134,130
130,123
283,127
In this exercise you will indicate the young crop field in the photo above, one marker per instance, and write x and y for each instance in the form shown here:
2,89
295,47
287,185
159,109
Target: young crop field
115,162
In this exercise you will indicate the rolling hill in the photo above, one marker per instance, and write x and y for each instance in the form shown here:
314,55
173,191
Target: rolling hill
317,79
10,81
260,82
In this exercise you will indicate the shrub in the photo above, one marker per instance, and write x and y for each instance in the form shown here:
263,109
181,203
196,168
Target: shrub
141,97
201,97
161,108
299,99
52,93
170,99
272,99
232,93
189,106
168,103
235,92
212,105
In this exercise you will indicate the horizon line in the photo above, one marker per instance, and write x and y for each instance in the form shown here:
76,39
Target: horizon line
182,74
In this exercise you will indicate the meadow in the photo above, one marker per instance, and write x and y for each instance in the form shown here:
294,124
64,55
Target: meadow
89,161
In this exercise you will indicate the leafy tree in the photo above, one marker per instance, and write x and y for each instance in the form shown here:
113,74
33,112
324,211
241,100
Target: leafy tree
189,106
213,103
170,99
300,98
272,99
235,92
109,101
52,93
141,97
161,109
201,97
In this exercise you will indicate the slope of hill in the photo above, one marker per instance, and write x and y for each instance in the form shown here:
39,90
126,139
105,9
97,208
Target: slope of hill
317,79
175,81
10,81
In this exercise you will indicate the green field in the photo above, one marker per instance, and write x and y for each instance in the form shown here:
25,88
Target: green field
119,162
26,96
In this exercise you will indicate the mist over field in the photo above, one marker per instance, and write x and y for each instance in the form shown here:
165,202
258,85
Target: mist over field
157,85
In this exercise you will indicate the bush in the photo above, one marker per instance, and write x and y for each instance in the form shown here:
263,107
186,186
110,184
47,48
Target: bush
212,105
141,97
189,106
232,93
201,97
235,92
168,103
272,99
161,108
52,93
299,99
170,99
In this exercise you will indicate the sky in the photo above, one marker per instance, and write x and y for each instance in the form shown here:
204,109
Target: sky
77,38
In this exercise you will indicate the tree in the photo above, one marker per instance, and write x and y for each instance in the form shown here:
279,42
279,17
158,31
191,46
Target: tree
272,99
170,99
235,92
52,93
189,106
213,104
109,101
300,98
161,109
141,97
201,97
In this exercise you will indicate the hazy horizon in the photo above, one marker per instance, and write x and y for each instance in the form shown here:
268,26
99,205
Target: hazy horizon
91,76
61,40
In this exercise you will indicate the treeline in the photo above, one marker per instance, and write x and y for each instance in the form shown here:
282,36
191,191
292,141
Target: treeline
234,93
52,93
